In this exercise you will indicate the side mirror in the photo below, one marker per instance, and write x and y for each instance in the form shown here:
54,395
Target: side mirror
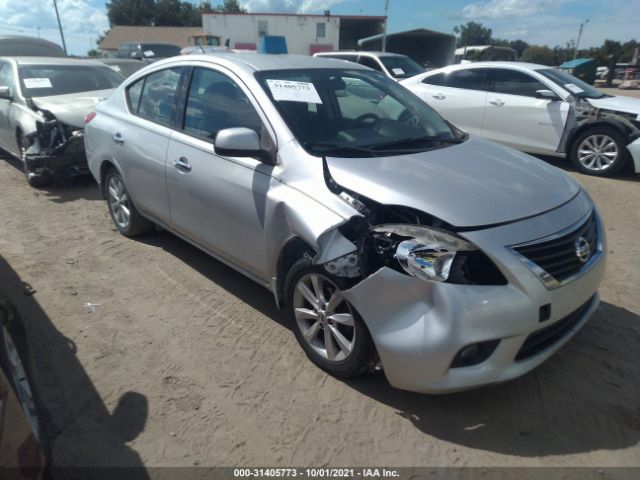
547,95
5,94
240,142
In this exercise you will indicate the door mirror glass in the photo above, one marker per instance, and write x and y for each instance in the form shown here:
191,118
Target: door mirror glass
547,95
5,93
239,142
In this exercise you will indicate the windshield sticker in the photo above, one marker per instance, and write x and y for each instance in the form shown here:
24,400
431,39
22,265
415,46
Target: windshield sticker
572,87
291,91
149,53
37,83
397,71
115,67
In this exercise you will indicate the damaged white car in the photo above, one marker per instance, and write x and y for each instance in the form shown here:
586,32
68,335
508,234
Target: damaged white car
391,238
43,102
537,109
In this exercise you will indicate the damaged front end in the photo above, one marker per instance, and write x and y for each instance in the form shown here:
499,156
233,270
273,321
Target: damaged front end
54,145
583,113
403,239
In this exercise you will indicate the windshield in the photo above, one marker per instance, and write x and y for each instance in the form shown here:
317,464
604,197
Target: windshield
160,50
401,67
571,84
354,113
48,80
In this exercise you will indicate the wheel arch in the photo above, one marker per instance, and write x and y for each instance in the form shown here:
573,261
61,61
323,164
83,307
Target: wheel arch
292,250
606,123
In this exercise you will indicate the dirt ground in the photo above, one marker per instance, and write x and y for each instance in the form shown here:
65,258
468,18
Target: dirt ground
151,353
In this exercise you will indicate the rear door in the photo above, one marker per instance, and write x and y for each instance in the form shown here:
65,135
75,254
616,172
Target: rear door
219,202
515,117
141,139
459,96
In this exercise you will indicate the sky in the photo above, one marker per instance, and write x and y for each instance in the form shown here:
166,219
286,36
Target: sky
550,22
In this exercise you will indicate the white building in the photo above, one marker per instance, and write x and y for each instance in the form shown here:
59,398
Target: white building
305,34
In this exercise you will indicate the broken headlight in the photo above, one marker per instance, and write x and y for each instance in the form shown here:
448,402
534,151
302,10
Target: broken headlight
433,254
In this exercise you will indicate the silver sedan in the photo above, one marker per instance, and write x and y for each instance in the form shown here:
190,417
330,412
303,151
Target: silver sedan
390,238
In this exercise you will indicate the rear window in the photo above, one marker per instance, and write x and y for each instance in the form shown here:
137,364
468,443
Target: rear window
50,80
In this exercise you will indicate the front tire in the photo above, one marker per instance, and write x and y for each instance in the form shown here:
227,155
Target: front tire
599,151
326,325
34,179
123,212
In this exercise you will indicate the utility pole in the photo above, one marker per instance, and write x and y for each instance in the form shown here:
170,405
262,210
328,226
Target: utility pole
575,52
64,45
384,32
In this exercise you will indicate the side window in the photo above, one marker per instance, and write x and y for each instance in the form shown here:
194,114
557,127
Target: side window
6,76
513,82
133,95
214,103
157,100
438,79
370,62
470,78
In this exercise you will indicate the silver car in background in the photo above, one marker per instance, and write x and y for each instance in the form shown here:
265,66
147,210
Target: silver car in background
389,236
43,102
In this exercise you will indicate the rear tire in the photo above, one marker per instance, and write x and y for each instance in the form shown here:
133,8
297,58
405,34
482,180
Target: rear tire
123,212
599,151
36,180
332,334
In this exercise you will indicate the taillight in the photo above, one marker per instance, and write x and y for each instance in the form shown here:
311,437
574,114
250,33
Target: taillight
89,116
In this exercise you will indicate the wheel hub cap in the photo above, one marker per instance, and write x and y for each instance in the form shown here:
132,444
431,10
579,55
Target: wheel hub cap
597,152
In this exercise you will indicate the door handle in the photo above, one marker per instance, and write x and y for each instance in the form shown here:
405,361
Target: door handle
438,96
497,102
117,137
182,164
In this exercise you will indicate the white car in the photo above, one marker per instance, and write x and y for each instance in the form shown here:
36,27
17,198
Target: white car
394,65
536,109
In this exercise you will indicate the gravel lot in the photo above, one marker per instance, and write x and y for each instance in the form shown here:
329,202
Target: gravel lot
182,361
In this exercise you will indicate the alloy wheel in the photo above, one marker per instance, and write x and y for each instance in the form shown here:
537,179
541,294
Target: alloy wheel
597,152
21,382
119,202
324,317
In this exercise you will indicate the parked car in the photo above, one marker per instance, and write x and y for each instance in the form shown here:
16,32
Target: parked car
21,46
148,52
124,66
24,451
536,109
393,65
383,231
43,102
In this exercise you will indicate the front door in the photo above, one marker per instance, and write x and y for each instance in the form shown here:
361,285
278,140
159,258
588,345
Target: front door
515,117
218,202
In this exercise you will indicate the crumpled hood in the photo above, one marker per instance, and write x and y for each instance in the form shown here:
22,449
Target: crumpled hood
474,183
70,109
617,103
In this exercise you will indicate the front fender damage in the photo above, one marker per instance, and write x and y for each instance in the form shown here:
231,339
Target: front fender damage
582,113
53,145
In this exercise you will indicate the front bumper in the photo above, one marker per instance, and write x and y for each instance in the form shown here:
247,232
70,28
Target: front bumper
419,327
70,154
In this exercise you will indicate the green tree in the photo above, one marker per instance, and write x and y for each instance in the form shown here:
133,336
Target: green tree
472,33
539,54
230,6
131,12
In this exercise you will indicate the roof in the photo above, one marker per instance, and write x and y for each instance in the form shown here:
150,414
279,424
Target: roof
418,32
144,34
359,52
265,61
576,63
54,61
481,48
354,17
518,65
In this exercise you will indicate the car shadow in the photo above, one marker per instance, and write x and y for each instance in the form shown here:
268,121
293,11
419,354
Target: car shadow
584,398
625,174
238,285
81,430
65,188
